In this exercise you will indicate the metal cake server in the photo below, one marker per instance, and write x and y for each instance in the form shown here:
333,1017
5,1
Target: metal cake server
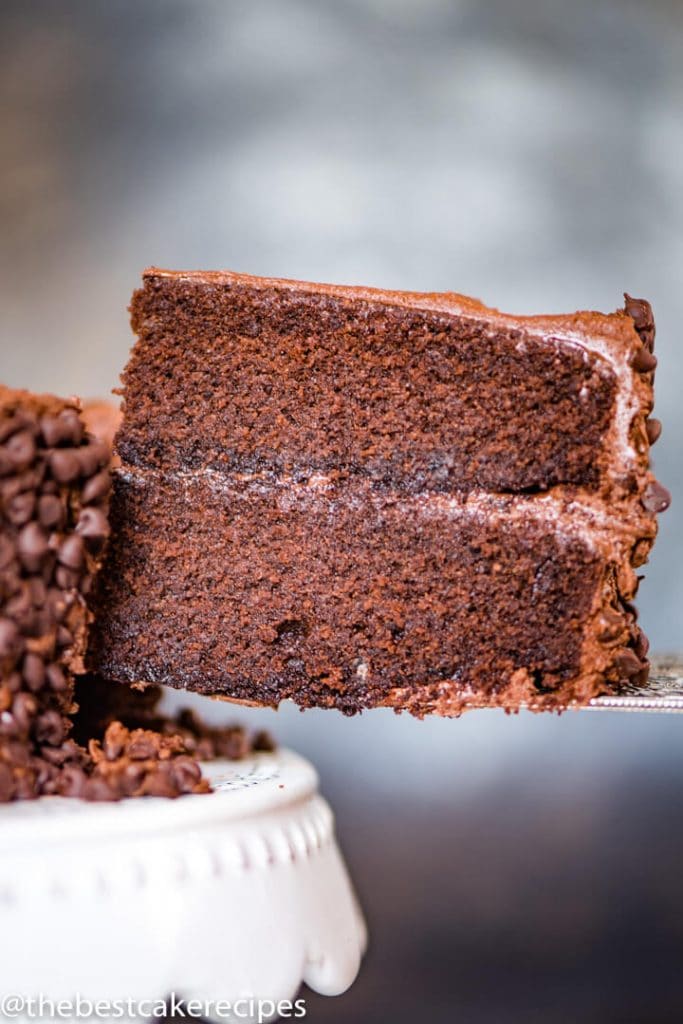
663,692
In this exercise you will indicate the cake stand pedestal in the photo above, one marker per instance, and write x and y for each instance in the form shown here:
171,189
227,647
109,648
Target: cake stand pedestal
236,895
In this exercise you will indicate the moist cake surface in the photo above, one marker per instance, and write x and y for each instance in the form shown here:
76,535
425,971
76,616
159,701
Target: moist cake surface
359,498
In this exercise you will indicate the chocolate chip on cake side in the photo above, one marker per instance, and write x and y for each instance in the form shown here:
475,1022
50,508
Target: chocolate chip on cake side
358,498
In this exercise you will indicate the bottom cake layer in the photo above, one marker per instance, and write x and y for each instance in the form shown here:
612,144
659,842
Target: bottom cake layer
328,593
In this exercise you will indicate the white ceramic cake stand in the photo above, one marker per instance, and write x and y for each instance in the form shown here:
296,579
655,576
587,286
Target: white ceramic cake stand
240,894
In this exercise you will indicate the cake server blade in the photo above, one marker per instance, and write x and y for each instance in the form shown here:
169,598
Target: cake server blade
663,691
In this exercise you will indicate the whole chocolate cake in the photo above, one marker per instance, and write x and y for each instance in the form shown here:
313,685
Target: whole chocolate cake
353,498
54,489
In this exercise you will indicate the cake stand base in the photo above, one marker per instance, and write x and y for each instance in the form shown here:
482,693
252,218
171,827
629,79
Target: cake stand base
239,895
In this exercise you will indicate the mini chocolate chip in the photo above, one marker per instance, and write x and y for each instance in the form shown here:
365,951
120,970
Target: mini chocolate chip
38,591
59,602
234,743
113,743
51,512
10,426
6,783
54,755
25,786
72,781
50,728
27,480
20,601
18,753
640,312
49,563
14,682
12,579
21,508
23,709
642,644
56,678
37,622
67,578
72,751
158,783
263,741
93,456
33,671
8,552
47,774
64,637
96,488
97,789
21,449
72,424
51,429
127,781
656,497
653,429
8,727
644,361
66,427
628,662
32,545
93,526
141,747
641,678
54,430
71,552
186,773
6,465
10,641
64,465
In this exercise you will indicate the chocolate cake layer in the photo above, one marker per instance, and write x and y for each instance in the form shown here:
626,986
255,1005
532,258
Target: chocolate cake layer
416,392
359,498
338,596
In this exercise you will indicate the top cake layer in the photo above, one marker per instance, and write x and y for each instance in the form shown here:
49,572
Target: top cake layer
416,392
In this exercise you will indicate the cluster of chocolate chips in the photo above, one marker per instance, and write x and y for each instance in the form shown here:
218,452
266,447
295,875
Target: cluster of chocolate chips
656,498
137,750
54,488
133,763
157,762
207,743
630,662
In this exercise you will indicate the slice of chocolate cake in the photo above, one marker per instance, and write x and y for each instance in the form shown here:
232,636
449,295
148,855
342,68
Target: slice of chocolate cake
354,498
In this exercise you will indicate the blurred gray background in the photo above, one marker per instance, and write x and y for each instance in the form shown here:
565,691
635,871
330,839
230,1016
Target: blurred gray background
529,153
